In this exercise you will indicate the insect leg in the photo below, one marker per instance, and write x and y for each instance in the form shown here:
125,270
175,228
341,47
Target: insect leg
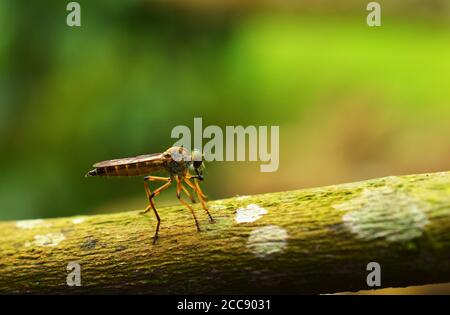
188,194
152,179
199,190
179,187
197,186
151,195
151,205
200,196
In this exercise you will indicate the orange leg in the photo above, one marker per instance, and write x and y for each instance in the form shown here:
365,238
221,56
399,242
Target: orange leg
151,195
188,194
199,190
152,179
197,186
201,196
179,188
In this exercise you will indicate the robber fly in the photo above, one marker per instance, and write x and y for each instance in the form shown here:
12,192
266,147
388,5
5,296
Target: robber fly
181,165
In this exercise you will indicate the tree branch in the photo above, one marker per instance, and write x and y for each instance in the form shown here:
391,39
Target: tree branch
316,240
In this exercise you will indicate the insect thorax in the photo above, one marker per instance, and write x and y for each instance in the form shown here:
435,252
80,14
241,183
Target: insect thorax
178,161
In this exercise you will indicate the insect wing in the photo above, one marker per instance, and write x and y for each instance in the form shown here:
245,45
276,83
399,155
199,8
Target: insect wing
147,159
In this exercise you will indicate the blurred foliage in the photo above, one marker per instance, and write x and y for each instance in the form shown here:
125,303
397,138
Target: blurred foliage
352,102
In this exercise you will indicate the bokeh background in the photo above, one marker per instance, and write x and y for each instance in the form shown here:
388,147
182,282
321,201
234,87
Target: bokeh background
353,102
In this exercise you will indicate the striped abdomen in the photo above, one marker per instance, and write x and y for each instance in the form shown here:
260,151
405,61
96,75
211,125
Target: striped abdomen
136,166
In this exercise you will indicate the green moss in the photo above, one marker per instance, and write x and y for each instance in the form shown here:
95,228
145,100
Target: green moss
323,253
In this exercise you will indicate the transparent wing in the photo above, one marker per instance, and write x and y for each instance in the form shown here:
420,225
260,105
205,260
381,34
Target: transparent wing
156,157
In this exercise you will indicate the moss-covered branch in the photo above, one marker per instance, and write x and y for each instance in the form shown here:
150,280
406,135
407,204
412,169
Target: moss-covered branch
307,241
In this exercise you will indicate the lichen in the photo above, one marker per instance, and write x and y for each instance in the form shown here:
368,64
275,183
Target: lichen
384,212
50,239
268,240
249,214
78,220
31,224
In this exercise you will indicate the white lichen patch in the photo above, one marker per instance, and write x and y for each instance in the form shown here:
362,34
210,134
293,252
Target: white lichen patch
78,220
248,214
31,224
385,213
240,198
218,207
51,239
267,241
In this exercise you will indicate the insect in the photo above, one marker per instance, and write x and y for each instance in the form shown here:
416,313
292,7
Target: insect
181,165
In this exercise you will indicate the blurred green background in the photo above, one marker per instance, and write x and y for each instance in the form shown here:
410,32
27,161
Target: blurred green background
352,102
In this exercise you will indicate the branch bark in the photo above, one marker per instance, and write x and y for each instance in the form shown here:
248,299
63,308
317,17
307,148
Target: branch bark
316,240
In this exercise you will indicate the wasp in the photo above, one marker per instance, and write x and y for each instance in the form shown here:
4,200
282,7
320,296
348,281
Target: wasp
182,167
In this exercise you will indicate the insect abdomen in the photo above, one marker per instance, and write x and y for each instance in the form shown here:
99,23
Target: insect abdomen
134,169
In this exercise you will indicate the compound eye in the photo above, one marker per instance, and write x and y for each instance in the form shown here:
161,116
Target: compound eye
197,164
197,158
